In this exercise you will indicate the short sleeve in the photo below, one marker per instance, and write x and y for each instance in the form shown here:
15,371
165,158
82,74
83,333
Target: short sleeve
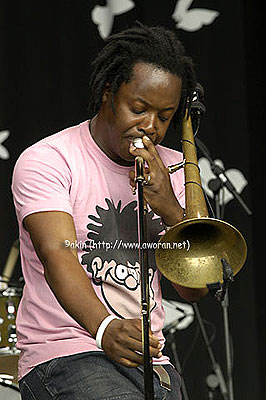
41,181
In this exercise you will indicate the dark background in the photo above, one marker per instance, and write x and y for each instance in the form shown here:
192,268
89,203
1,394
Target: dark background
45,52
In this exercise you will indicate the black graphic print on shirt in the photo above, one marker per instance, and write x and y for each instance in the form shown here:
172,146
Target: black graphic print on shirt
112,256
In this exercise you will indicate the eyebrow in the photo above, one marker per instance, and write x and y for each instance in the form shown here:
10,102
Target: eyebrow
147,104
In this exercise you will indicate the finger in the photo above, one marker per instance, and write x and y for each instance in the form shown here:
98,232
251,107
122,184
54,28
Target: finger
134,358
137,345
128,363
154,160
133,352
143,152
132,330
132,177
155,165
153,157
133,361
122,342
125,357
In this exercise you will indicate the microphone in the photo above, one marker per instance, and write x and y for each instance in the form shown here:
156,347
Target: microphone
197,106
220,173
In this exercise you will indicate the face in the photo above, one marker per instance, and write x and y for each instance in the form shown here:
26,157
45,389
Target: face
143,106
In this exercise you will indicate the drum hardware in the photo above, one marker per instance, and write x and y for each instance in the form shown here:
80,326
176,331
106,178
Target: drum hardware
10,295
8,389
9,354
12,335
9,301
7,380
11,261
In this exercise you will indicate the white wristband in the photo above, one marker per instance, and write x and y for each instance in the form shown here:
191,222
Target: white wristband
101,329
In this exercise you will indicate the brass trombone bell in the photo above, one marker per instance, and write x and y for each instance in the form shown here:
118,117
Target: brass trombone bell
203,242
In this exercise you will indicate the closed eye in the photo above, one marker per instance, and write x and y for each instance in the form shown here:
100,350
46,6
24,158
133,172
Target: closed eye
163,119
135,111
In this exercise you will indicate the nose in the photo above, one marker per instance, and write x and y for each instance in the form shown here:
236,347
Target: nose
148,125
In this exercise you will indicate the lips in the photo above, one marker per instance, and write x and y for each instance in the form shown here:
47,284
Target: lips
132,138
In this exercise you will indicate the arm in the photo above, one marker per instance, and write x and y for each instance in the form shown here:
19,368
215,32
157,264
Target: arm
72,288
189,294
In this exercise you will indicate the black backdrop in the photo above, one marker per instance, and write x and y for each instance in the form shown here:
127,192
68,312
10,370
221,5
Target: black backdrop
46,48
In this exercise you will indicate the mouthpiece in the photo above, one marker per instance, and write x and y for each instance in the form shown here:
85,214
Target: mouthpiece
138,143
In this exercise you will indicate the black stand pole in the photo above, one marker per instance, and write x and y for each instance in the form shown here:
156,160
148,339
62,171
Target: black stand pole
222,293
228,278
225,306
221,289
216,367
145,299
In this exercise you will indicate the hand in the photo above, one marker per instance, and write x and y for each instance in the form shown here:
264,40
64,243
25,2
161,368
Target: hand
158,191
122,342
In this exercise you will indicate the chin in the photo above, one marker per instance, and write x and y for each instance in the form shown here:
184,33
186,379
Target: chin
126,159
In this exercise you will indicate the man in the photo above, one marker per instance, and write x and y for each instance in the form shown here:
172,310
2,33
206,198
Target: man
77,219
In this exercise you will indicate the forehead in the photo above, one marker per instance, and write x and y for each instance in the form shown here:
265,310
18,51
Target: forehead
152,83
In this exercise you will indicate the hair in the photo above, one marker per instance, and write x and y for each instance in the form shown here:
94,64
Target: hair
152,45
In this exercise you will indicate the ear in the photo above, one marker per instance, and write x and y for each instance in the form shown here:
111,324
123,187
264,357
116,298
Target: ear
106,93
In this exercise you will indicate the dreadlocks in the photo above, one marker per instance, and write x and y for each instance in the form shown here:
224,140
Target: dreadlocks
152,45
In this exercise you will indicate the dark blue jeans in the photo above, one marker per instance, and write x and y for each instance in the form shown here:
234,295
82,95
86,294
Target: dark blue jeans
92,376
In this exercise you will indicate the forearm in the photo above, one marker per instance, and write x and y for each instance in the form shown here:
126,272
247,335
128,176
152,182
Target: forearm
190,294
122,338
172,213
73,290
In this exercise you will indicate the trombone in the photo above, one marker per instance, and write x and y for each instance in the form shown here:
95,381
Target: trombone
215,246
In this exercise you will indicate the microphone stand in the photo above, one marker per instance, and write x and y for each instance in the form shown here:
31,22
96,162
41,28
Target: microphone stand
216,367
145,299
222,294
197,110
170,338
221,179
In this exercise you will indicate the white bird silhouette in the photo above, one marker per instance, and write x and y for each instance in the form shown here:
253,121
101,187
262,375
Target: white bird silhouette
4,154
234,175
103,16
194,19
177,314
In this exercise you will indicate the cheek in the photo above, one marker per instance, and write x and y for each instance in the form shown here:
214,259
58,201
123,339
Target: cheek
161,135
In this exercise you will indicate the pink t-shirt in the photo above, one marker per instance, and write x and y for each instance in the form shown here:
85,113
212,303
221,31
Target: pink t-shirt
68,172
